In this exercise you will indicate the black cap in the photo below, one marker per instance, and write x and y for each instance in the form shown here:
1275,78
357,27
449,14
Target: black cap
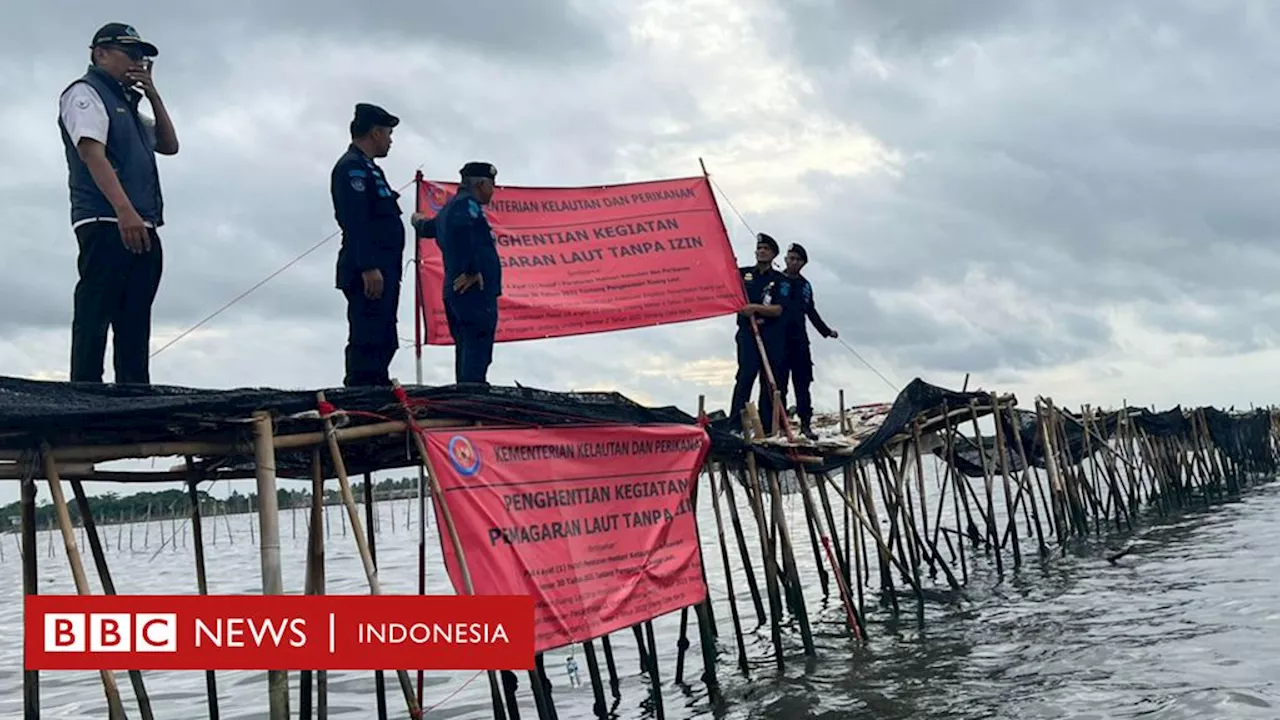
478,170
763,239
122,34
369,116
798,249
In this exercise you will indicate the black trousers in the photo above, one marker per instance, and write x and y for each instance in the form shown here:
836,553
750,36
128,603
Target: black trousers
473,323
372,334
115,291
797,367
749,367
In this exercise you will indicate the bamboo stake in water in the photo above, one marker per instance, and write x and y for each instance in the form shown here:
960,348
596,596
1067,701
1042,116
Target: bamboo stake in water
30,586
437,496
728,573
353,514
747,565
264,457
756,498
114,707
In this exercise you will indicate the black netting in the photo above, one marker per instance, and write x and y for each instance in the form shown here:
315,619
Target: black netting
1170,423
1245,439
1080,444
67,414
966,458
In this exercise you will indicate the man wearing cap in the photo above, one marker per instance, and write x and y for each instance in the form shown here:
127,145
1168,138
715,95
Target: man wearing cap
370,259
762,310
472,271
116,203
797,362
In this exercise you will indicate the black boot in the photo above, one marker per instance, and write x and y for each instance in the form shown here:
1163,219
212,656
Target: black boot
807,431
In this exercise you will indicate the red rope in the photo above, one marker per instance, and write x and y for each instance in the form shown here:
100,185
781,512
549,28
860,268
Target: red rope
328,410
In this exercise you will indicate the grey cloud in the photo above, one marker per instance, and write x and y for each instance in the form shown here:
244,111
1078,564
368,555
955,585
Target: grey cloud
539,31
1092,154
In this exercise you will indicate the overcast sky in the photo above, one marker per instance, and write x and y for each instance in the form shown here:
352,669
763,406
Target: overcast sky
1073,199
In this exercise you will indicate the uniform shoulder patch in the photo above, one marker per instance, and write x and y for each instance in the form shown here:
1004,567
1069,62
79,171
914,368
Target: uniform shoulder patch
357,183
473,208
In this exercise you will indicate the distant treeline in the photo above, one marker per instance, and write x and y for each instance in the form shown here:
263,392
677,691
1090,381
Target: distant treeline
110,508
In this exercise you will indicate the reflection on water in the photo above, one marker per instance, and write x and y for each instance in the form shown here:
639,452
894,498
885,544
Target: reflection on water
1187,625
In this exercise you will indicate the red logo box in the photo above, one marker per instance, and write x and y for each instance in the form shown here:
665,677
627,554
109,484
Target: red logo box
255,632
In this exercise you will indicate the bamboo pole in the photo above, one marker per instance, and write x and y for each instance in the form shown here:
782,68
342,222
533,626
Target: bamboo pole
89,532
437,496
379,679
1030,480
736,521
789,566
202,581
1002,450
728,574
756,497
30,587
220,447
115,708
269,548
315,584
362,547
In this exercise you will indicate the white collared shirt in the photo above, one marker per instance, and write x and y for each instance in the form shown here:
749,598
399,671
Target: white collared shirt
85,116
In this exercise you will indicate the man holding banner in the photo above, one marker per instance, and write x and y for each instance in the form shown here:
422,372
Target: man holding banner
472,272
764,311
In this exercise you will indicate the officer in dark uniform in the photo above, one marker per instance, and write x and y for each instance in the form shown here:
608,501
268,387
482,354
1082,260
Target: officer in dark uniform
762,309
472,272
370,260
797,363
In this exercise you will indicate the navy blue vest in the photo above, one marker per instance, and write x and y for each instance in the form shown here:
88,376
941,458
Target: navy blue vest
130,150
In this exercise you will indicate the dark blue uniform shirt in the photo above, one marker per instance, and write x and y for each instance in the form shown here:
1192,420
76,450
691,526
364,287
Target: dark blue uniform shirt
762,289
467,244
368,211
796,297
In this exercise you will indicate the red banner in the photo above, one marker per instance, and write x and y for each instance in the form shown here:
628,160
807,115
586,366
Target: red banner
256,632
586,260
594,522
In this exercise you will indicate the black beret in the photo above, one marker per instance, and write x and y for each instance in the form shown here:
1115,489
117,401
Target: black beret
798,249
478,170
764,239
369,116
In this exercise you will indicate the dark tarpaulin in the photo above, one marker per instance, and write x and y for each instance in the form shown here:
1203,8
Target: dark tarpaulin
66,414
1169,424
1245,439
1079,442
966,458
917,398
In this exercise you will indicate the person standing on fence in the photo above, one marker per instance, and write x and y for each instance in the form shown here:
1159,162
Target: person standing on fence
370,259
762,309
797,362
472,271
116,202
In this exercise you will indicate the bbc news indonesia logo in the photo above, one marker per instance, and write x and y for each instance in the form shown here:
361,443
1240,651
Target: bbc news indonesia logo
254,632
